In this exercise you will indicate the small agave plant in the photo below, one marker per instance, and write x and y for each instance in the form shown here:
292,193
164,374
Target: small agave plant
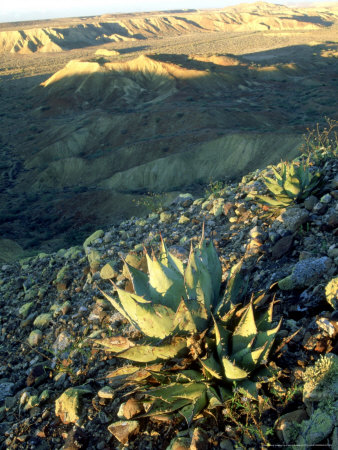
293,183
197,344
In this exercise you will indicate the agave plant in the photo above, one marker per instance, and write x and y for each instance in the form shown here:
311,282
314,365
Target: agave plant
196,343
293,183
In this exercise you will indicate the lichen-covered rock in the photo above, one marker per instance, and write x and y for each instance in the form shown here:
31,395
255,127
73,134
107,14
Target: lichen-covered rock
217,207
25,309
165,217
305,273
42,321
35,338
321,381
90,239
94,259
292,219
331,293
316,429
285,425
67,406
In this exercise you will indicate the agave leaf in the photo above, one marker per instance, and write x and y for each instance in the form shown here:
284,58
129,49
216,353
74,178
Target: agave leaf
162,407
266,337
139,281
227,319
150,353
117,305
248,388
265,374
252,358
183,319
169,260
233,372
115,344
166,284
273,186
245,331
211,261
292,187
153,320
222,338
238,357
189,375
214,399
274,202
197,405
123,371
235,290
277,175
263,322
225,393
173,391
212,366
197,280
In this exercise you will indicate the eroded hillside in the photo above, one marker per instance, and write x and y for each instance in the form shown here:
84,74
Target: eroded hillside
87,133
56,37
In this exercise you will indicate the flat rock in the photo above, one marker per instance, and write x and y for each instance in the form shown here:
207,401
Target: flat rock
123,430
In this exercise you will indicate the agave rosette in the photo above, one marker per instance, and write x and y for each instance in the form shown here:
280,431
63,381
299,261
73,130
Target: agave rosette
294,182
196,344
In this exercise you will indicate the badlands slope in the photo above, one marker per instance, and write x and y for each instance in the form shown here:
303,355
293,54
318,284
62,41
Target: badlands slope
107,29
80,145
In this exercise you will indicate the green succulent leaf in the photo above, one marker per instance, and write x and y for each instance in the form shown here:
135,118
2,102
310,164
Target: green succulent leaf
150,353
212,367
222,336
197,280
154,320
236,288
174,391
196,406
139,281
245,331
166,284
211,261
232,371
267,337
279,202
115,344
248,388
117,305
263,322
252,358
169,260
161,407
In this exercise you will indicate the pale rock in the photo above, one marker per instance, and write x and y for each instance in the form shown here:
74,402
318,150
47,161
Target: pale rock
124,429
35,338
68,405
43,320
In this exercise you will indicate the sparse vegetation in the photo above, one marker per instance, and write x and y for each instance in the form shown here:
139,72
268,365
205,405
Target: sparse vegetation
293,182
182,316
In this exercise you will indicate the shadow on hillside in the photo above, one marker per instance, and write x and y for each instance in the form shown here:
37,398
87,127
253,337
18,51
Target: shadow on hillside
124,51
149,114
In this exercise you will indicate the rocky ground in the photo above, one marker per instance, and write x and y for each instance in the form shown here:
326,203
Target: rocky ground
54,390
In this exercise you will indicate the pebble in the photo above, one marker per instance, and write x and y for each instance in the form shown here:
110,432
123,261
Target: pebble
106,392
35,338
